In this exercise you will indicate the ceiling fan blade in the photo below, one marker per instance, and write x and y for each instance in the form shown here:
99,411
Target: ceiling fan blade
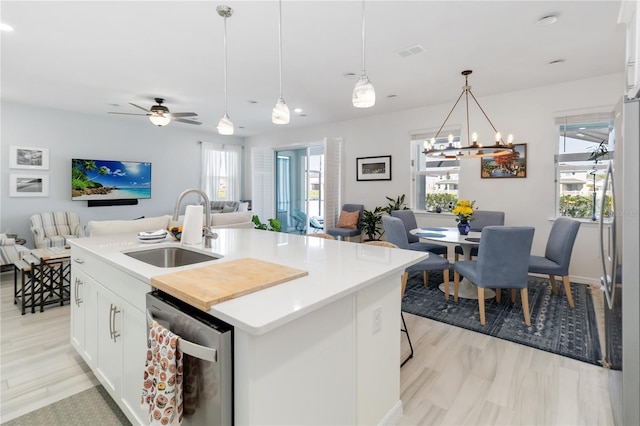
138,106
183,114
182,120
126,113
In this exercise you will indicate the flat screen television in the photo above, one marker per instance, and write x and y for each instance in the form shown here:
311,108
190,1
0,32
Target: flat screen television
109,180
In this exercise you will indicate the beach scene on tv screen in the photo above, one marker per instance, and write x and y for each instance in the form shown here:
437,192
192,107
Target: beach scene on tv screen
110,180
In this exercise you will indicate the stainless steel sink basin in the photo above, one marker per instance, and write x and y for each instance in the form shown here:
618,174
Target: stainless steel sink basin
170,257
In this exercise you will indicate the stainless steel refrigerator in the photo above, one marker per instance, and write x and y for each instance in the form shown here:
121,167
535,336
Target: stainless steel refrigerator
619,251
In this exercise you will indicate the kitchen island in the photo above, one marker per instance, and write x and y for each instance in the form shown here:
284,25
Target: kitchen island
320,349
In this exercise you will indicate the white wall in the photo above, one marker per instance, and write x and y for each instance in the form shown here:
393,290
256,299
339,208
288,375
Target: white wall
173,151
529,114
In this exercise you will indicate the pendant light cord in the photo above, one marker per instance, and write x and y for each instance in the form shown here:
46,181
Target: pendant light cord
225,65
363,39
280,42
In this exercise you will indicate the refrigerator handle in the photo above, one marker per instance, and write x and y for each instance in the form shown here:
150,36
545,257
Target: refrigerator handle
609,281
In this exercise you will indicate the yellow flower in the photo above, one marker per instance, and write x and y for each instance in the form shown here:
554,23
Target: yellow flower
464,210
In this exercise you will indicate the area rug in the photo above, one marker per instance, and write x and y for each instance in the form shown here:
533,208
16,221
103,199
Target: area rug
91,407
555,327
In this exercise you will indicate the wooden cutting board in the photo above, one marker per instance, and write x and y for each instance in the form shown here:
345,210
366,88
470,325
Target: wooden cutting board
206,286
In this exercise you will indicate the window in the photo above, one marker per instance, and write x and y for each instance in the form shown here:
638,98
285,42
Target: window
220,175
579,179
435,180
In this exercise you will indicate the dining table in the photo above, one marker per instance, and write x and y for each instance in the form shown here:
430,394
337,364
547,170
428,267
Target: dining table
467,289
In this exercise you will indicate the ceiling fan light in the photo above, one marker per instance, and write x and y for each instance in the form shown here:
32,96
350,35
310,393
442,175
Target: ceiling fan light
159,120
280,113
225,126
364,95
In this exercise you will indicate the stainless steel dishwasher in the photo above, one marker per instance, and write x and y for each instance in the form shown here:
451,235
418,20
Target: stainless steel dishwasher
209,343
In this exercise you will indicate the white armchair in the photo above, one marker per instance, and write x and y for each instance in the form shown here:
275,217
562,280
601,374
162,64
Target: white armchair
10,251
52,229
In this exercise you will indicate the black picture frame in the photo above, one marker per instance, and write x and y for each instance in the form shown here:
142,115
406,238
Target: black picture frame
373,168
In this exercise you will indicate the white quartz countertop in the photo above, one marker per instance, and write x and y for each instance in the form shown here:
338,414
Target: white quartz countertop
335,270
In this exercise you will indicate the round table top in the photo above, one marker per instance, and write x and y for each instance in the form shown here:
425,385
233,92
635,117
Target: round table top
447,235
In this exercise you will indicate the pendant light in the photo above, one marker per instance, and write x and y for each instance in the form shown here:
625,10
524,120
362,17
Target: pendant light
364,95
225,125
280,113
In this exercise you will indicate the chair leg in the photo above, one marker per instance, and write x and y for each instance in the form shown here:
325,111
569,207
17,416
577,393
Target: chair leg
456,285
405,330
456,256
524,295
554,287
498,295
445,275
483,320
567,289
425,278
513,295
405,276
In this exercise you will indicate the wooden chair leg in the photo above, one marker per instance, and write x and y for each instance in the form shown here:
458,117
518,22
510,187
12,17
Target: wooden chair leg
513,295
567,289
554,287
445,275
405,276
524,295
483,320
456,285
456,256
498,295
425,278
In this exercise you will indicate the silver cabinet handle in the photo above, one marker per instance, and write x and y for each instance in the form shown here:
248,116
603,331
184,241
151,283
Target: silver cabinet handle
78,260
78,284
113,310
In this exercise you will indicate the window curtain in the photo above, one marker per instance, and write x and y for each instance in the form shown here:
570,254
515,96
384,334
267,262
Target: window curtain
220,171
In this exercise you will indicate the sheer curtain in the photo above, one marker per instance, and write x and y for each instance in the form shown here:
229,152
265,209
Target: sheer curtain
220,171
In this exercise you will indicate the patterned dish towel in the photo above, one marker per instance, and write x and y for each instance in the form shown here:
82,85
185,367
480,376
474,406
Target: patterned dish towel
162,388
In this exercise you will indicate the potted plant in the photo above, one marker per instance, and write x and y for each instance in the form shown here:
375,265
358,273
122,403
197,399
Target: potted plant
272,225
371,223
397,204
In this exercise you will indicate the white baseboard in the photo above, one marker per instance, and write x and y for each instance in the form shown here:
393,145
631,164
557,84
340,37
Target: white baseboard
394,415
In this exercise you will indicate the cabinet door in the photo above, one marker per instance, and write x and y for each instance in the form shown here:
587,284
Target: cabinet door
109,339
134,341
83,315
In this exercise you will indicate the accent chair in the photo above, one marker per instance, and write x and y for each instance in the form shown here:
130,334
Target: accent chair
53,229
348,232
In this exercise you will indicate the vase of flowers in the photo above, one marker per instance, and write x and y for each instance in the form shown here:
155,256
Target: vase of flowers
464,214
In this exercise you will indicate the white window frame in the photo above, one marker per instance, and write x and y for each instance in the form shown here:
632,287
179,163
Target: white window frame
221,162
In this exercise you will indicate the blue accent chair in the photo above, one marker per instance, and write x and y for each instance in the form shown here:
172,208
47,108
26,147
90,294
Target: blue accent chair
396,234
503,262
557,255
409,220
345,232
481,218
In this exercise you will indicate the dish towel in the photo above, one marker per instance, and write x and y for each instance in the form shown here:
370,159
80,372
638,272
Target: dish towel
162,387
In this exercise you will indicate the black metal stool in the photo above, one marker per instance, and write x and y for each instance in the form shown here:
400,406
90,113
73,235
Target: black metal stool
26,293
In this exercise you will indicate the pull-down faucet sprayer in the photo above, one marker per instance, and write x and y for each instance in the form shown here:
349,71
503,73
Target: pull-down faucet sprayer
208,233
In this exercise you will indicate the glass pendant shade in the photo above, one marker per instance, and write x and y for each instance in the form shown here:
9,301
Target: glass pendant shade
280,113
364,95
225,126
159,120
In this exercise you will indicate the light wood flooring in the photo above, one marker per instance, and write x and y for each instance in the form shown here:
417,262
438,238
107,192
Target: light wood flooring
457,377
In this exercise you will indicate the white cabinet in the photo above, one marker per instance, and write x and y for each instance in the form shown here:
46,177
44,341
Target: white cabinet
108,328
629,15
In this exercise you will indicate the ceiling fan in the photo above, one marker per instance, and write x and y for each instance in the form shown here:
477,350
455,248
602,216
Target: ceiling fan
160,115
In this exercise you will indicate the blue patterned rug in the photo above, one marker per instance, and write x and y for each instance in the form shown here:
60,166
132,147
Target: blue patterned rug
555,327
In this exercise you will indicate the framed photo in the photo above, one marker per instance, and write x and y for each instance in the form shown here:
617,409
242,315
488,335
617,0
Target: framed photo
26,157
513,165
374,168
28,185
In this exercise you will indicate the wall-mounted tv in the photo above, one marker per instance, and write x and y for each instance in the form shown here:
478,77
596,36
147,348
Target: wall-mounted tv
109,180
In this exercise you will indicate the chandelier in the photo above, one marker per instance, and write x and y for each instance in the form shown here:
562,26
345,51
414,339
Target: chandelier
475,149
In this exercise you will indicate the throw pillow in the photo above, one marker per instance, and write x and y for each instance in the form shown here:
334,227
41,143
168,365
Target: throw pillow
228,209
348,220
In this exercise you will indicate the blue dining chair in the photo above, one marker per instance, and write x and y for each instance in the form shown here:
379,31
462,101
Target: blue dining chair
347,233
481,218
557,255
396,234
408,218
503,262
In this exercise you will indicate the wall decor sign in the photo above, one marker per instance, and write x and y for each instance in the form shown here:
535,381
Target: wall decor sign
513,165
373,168
28,185
26,157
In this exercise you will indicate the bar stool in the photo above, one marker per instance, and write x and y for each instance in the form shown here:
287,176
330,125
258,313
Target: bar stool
26,294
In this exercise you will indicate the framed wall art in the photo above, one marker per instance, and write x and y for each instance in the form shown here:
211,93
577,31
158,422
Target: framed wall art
28,185
513,165
373,168
26,157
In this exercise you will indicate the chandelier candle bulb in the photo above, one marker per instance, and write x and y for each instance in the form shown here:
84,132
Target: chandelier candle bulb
474,137
498,136
510,139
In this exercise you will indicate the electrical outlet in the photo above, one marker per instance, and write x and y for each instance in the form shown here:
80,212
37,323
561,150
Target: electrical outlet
377,320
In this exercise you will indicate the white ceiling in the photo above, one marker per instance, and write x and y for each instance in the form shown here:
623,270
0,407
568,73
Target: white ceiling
88,55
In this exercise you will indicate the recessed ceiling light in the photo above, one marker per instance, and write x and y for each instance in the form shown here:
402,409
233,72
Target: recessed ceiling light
556,61
297,110
240,127
350,74
392,96
547,20
252,101
6,27
303,115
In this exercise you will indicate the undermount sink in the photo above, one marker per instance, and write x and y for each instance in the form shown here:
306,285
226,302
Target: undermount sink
171,257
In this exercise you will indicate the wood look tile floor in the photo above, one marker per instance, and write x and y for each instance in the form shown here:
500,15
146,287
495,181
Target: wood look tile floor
457,377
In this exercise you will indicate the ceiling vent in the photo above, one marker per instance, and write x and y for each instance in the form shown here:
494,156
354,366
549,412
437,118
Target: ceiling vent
412,50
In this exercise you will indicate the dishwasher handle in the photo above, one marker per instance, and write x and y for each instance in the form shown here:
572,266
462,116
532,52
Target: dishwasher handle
190,348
